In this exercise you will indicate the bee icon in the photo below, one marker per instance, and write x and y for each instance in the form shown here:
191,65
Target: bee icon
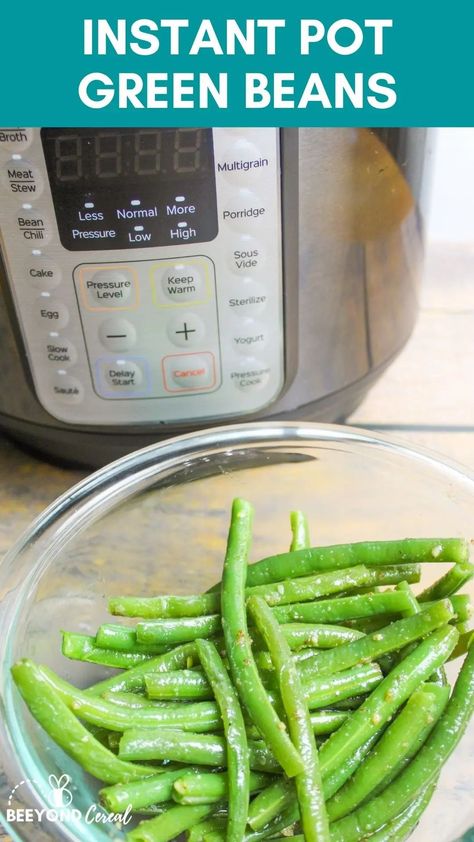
60,794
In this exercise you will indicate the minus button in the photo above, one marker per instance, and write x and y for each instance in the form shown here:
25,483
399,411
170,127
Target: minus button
117,334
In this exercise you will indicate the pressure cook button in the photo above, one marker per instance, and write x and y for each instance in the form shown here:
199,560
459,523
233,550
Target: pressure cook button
249,334
186,330
15,139
51,312
22,179
242,160
247,297
61,352
122,375
68,389
42,272
34,227
117,334
109,288
189,372
181,282
251,375
246,254
244,210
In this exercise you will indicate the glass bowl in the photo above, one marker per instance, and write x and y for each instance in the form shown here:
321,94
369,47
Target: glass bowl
156,522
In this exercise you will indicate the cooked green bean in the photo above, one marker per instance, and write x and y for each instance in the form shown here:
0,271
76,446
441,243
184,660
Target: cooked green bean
144,793
317,635
83,647
237,750
423,769
394,750
325,690
197,749
370,553
300,539
389,639
343,608
124,639
462,607
130,700
195,605
308,782
97,711
395,688
133,679
170,824
211,787
463,645
456,577
64,728
399,829
179,684
199,831
173,631
238,646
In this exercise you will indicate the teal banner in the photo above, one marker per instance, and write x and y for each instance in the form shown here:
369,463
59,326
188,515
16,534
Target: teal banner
331,63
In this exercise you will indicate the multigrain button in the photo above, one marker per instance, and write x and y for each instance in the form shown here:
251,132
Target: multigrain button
60,352
67,389
189,372
15,139
186,330
42,272
33,226
117,334
245,254
244,210
248,335
247,297
51,312
250,375
22,179
242,159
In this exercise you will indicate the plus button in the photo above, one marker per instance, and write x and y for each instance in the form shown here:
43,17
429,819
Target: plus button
186,331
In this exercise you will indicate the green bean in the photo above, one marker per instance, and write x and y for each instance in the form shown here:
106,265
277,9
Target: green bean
389,639
395,749
199,831
173,631
463,645
395,688
308,782
326,721
130,700
134,678
423,769
238,646
142,793
321,691
97,711
462,607
179,684
195,605
449,584
237,750
343,608
211,787
124,639
194,748
300,539
317,635
370,553
65,729
169,824
413,608
83,647
402,825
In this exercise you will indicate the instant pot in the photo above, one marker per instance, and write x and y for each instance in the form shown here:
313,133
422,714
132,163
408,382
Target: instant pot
155,281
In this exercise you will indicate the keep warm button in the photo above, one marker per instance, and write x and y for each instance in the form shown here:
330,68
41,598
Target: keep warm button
189,372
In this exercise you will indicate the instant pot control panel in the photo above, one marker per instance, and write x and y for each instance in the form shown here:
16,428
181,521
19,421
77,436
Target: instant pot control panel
145,268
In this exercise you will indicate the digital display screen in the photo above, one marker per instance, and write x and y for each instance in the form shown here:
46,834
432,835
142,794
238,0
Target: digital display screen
116,176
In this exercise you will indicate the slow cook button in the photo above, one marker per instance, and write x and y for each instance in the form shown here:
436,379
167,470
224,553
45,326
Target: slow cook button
68,389
247,297
244,210
117,334
43,273
22,179
242,160
251,375
51,312
189,372
15,139
33,227
246,254
61,352
249,335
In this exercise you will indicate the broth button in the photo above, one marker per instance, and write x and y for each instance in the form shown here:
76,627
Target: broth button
15,139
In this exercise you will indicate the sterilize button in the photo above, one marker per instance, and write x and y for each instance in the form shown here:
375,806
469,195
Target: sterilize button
68,389
22,179
244,210
247,297
42,272
189,372
249,335
51,312
186,330
250,375
181,282
117,334
33,226
15,139
60,351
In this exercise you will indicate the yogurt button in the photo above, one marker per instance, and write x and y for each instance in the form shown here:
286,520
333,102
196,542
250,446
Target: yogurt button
249,335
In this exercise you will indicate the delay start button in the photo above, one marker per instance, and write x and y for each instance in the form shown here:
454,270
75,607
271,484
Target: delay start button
189,372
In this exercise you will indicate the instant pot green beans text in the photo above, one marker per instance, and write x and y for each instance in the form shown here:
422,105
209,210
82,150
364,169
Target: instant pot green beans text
305,694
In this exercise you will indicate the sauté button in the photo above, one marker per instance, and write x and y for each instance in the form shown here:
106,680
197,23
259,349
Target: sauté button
51,312
68,389
60,352
42,272
117,334
186,330
189,372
